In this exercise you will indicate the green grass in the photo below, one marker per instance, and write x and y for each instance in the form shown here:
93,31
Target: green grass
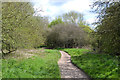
0,69
95,65
41,65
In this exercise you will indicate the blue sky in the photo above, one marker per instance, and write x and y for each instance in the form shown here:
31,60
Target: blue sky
54,8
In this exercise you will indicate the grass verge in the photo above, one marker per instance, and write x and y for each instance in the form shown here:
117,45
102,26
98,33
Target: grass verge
95,65
41,65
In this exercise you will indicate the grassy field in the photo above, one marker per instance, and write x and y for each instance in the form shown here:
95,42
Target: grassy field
41,64
95,65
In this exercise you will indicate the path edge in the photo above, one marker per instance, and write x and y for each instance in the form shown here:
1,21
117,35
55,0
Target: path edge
80,68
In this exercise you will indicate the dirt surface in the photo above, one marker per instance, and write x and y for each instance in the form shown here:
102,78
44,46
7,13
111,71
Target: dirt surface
24,53
68,70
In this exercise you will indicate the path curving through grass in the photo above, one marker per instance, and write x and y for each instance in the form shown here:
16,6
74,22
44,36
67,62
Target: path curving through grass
67,69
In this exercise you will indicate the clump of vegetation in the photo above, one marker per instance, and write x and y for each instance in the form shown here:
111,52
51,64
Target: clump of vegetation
66,36
20,28
41,65
68,31
95,65
107,33
56,21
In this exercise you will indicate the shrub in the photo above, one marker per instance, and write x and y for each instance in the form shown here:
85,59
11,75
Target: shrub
66,36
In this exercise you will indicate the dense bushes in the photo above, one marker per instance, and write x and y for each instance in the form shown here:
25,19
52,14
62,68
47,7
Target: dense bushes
66,36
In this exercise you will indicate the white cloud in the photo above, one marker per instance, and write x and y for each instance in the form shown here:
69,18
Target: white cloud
53,10
77,5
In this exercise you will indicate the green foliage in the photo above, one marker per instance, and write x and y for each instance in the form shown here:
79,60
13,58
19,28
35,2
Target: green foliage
20,28
95,65
55,22
31,35
12,19
0,69
75,52
42,65
86,28
108,30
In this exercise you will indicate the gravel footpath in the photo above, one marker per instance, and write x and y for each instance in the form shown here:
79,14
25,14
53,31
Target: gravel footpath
68,70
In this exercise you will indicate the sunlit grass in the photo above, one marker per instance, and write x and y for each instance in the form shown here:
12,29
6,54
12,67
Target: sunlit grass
41,65
95,65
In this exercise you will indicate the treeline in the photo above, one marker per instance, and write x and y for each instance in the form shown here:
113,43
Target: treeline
69,30
22,29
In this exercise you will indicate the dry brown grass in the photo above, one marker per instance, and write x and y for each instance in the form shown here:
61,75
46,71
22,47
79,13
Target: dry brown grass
24,53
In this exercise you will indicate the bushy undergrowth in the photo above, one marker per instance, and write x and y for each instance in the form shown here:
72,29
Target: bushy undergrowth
39,66
95,65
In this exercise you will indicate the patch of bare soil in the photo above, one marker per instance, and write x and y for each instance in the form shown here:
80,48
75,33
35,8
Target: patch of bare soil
24,53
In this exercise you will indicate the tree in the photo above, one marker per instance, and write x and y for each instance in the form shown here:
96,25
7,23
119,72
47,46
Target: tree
56,21
12,19
72,17
76,18
20,29
108,29
66,36
69,30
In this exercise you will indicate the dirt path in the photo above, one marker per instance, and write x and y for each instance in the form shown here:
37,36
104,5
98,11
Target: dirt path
68,70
